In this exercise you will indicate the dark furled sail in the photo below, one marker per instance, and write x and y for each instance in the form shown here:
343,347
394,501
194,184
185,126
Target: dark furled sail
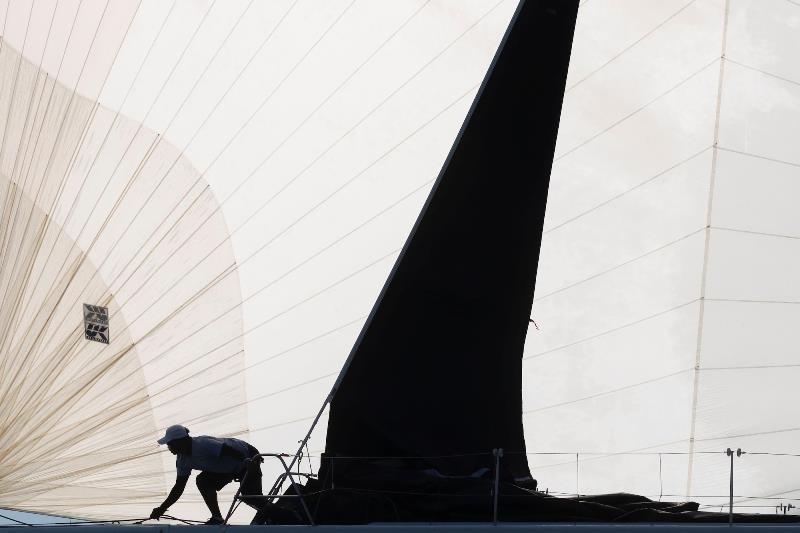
436,370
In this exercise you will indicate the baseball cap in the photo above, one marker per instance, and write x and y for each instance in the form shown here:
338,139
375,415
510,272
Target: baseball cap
174,432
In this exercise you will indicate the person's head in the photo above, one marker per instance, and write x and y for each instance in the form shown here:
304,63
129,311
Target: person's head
177,439
182,445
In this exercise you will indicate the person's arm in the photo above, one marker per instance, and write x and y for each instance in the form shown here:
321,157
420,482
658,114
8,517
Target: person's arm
172,497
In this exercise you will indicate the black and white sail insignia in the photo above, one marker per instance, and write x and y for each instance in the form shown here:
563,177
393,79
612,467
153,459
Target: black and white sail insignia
95,322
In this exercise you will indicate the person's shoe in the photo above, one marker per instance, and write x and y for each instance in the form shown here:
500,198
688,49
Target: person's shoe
215,521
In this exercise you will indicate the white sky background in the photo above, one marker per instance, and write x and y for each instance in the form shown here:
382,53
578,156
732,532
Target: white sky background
319,127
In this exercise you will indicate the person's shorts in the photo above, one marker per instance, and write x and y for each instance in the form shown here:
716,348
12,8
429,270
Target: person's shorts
251,485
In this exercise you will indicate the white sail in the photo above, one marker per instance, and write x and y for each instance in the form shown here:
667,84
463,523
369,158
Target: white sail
233,181
667,292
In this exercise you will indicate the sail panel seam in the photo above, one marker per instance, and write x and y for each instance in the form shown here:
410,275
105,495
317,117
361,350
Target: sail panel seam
704,274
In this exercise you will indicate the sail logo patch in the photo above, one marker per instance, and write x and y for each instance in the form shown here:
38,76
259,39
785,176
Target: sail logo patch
95,323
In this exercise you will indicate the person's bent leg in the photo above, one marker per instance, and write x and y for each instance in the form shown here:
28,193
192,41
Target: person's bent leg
251,486
209,484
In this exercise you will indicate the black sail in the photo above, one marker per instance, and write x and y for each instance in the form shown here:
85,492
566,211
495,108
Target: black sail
437,369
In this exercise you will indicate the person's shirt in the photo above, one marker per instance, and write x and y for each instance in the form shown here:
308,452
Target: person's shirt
207,456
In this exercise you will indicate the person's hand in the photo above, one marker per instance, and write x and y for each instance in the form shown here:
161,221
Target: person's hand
157,512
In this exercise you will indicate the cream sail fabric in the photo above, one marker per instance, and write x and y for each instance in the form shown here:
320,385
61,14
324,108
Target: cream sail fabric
233,180
667,293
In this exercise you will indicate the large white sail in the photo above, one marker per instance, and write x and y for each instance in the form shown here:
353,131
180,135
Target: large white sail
667,293
233,181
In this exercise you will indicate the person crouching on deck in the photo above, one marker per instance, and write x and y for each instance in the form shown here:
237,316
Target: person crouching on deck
220,461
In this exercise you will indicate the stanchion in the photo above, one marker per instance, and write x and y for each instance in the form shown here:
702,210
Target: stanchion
498,453
739,453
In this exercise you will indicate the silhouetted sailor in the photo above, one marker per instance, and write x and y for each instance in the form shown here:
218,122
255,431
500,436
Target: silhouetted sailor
220,461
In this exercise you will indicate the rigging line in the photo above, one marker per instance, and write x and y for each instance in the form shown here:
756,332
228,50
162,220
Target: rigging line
753,434
352,179
635,111
291,270
56,141
139,396
267,99
61,355
225,240
78,195
748,367
357,124
306,342
84,254
628,191
618,453
327,99
613,330
757,156
274,90
363,171
262,323
71,476
16,77
707,247
30,100
747,301
358,320
148,153
47,423
757,233
627,48
22,284
776,454
129,347
208,116
94,372
47,108
620,265
20,522
363,119
152,106
136,174
794,3
95,468
49,381
595,456
209,384
39,101
233,407
40,237
280,424
119,355
9,231
2,364
608,392
764,72
169,77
